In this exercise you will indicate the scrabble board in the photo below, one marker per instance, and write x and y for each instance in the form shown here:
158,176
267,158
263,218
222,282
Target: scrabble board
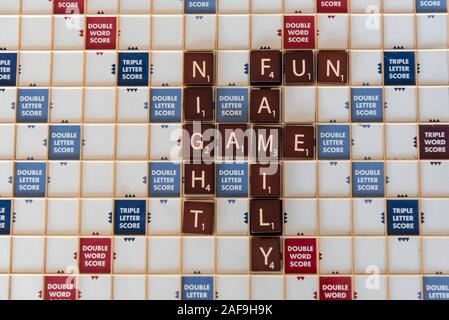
224,149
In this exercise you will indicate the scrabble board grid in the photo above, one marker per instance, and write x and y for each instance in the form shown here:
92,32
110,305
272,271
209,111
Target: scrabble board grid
115,162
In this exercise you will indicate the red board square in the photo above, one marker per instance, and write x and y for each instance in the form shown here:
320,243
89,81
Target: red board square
335,288
299,32
300,255
95,255
101,33
433,142
60,288
332,6
68,6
